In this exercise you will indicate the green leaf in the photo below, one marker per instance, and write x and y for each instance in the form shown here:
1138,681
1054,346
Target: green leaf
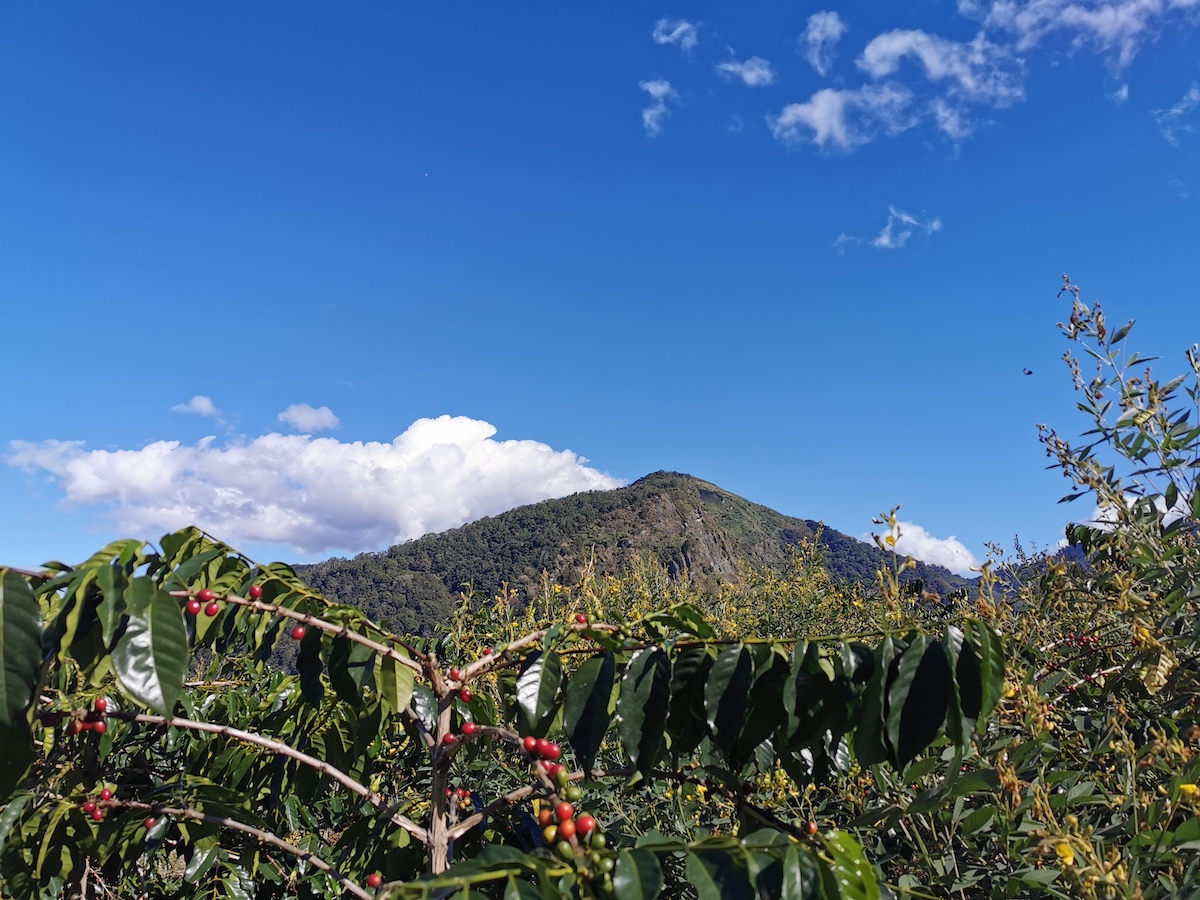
350,668
8,818
870,747
20,646
586,715
309,666
854,874
637,876
990,651
801,875
395,681
111,608
151,657
537,689
924,707
726,695
17,756
719,875
1121,332
203,856
645,689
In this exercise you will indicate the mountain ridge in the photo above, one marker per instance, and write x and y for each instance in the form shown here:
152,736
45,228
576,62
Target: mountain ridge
677,520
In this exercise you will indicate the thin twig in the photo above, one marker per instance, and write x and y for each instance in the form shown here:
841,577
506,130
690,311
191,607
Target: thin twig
264,836
283,750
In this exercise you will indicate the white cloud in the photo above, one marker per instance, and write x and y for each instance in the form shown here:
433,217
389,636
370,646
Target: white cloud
978,70
900,227
199,405
303,417
676,31
1116,27
1171,121
1120,95
825,29
845,118
315,495
949,552
654,115
754,72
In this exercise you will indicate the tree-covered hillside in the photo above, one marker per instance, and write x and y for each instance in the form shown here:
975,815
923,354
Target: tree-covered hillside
674,520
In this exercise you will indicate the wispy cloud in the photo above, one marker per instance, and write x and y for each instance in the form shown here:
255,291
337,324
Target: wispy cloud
824,30
655,115
900,227
1120,95
303,417
754,72
1173,120
1118,28
921,77
314,495
200,405
845,118
977,70
676,31
895,233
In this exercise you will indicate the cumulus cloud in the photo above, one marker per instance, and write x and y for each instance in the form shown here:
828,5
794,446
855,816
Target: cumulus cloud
303,417
950,553
676,31
754,72
315,495
1172,121
825,29
845,118
199,405
654,115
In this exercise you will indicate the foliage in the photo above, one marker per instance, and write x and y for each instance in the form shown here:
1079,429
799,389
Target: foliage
230,778
786,734
673,521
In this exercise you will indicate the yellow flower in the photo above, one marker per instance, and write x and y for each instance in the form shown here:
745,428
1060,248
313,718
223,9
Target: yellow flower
1190,789
1065,853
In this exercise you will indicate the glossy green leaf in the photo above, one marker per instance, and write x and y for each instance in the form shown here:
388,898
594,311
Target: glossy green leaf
645,689
854,873
925,705
719,874
870,746
638,876
309,666
801,875
727,695
350,668
151,657
586,715
395,681
537,689
18,755
20,646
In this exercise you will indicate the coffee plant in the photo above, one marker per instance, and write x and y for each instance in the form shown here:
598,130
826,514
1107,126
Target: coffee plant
179,721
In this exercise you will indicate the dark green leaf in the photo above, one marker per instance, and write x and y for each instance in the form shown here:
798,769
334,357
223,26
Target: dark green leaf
638,875
719,875
870,746
926,703
309,666
642,706
726,695
20,646
586,715
801,875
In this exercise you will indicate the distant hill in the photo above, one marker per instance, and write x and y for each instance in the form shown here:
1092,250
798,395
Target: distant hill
678,520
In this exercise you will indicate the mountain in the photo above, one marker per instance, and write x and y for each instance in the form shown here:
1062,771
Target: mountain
678,520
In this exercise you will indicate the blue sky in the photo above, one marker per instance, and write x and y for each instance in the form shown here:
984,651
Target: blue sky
321,278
